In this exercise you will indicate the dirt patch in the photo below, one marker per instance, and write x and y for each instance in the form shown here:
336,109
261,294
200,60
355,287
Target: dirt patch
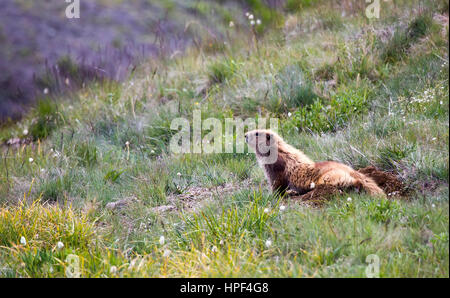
195,197
318,196
390,183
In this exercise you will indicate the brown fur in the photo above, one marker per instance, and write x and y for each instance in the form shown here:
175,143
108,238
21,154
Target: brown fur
294,170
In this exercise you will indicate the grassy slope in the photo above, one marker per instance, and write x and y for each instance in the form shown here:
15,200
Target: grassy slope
358,101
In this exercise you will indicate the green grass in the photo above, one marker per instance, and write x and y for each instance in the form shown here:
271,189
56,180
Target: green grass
342,91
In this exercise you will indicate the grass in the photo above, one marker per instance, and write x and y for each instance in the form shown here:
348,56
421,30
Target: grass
342,90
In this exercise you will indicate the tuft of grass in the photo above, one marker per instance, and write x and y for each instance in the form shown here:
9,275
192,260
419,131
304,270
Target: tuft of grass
402,40
320,117
47,119
86,153
220,71
297,5
293,88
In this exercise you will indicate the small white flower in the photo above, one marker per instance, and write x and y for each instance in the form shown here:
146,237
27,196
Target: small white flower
434,139
30,159
127,143
349,199
282,208
441,102
268,243
231,24
113,269
221,242
250,17
162,240
23,241
153,151
266,210
312,185
60,245
433,205
45,90
258,22
289,114
247,14
166,253
214,249
25,131
178,174
252,22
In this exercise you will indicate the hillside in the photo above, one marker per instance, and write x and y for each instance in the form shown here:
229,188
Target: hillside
43,52
89,181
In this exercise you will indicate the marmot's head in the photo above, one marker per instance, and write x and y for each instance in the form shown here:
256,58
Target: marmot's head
262,141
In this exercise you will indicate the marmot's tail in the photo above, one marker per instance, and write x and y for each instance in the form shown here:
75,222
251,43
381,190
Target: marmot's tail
368,184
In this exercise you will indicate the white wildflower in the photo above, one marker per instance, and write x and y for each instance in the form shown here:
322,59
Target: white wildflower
60,245
349,199
162,240
113,269
25,131
268,243
178,174
252,22
45,91
166,253
433,205
434,139
214,249
127,143
250,17
258,22
282,208
30,159
231,24
23,241
289,114
266,210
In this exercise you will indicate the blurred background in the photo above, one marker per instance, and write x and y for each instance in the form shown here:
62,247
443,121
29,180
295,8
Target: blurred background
44,52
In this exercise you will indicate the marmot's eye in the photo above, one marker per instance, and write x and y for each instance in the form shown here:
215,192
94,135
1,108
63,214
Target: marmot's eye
256,134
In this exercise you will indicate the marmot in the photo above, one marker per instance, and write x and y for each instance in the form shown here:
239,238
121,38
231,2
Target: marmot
291,169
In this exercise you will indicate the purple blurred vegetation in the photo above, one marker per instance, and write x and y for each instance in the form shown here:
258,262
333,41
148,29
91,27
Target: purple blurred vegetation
42,52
